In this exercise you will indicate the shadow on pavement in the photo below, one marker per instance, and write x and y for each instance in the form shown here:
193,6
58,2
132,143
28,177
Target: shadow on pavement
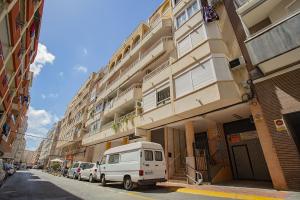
25,185
145,189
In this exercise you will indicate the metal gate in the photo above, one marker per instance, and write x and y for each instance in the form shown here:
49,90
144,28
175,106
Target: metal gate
202,156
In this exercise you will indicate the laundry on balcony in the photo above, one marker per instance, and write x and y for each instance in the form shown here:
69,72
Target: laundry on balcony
25,99
32,30
5,129
209,14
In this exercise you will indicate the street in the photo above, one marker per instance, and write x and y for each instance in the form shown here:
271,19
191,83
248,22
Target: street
36,185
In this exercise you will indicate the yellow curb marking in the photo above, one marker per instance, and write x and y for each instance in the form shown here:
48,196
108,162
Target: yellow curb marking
225,194
138,196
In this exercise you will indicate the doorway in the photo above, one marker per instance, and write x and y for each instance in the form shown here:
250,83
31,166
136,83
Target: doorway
292,121
246,155
202,156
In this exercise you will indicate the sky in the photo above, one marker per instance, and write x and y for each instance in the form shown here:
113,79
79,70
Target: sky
77,38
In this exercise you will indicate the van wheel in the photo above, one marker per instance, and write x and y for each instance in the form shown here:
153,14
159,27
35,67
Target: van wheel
128,184
91,180
103,181
79,177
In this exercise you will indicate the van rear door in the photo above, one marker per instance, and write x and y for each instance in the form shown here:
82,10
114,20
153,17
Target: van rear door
153,166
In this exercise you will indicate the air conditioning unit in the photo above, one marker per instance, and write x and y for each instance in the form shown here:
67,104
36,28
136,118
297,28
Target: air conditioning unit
237,63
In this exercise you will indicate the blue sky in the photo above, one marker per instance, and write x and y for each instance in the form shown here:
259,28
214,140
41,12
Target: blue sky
77,37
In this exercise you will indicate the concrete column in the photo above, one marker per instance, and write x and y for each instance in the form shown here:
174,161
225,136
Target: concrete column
190,138
166,150
267,144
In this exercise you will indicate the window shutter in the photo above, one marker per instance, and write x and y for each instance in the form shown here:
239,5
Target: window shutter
149,101
183,84
197,36
202,75
184,46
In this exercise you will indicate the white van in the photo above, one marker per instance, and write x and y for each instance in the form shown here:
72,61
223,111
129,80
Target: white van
140,163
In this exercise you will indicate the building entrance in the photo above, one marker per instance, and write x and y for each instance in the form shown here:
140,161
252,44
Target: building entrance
292,120
246,155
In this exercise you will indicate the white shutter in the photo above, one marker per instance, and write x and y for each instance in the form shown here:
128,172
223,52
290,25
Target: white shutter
197,36
184,46
183,84
149,101
202,75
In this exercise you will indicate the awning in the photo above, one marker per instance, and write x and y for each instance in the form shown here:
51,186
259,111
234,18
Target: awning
56,160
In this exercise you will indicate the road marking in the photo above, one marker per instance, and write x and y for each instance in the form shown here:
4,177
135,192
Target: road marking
225,194
136,195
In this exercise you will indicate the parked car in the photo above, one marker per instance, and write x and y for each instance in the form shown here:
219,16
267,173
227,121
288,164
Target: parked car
9,169
88,172
74,170
3,173
140,163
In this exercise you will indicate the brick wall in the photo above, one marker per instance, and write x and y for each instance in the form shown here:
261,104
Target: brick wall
280,95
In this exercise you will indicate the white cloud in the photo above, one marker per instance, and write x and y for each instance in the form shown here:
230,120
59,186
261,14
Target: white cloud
61,74
43,96
50,95
39,122
43,57
81,69
85,51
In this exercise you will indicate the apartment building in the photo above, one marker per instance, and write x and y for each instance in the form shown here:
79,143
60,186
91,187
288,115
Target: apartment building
48,150
72,126
20,22
18,146
37,153
27,157
271,38
180,80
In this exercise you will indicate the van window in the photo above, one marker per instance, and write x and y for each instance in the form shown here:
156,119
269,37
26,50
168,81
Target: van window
158,156
103,160
75,165
113,159
148,155
129,156
84,165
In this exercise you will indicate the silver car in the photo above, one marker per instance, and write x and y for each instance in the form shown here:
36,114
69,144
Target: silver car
89,172
75,169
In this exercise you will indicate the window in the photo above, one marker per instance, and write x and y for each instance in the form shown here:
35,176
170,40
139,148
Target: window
198,77
148,155
113,159
191,41
103,161
187,13
158,156
191,10
181,19
163,96
99,107
176,2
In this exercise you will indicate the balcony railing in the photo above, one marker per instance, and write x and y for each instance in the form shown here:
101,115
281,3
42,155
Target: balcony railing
275,40
156,70
240,3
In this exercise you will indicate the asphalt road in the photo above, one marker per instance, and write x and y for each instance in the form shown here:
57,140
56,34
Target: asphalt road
38,185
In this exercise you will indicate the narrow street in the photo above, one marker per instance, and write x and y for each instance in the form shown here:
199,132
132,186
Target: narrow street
37,185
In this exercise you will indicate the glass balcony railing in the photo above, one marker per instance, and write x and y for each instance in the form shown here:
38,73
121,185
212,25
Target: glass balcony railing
275,40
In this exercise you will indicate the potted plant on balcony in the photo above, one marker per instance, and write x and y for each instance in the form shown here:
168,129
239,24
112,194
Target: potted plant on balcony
115,126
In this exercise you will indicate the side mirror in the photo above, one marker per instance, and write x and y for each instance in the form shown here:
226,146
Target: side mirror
98,163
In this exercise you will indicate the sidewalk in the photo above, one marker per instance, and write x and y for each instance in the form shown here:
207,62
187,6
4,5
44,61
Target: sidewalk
233,192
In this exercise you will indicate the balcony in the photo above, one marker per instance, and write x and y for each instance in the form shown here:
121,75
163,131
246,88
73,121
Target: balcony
125,99
125,125
254,11
157,49
163,25
281,41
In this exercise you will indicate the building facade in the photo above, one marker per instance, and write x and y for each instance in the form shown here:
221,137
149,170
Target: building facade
27,157
72,126
48,149
197,78
271,30
20,23
37,153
